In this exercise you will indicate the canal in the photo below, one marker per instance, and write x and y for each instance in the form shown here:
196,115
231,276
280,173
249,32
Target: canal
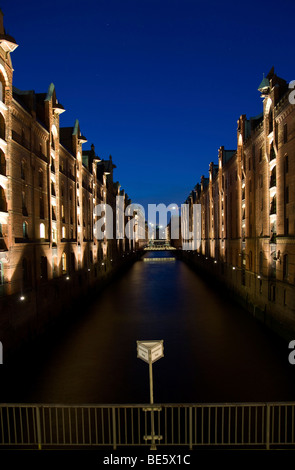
214,351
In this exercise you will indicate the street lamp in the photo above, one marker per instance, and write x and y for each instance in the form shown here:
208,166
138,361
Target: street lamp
151,351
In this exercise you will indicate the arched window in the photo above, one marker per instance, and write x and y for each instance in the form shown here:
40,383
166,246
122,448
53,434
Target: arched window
64,263
3,203
63,213
52,141
2,127
63,232
273,177
25,230
52,165
54,235
42,230
2,163
273,205
285,267
272,153
24,203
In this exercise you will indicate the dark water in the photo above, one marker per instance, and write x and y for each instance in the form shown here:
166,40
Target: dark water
213,350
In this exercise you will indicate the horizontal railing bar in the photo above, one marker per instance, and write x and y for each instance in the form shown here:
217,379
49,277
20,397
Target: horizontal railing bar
144,405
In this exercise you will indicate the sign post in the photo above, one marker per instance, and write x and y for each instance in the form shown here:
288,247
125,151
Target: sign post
150,352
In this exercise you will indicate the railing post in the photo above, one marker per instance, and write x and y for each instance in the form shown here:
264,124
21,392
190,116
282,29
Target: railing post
38,426
190,427
267,426
114,428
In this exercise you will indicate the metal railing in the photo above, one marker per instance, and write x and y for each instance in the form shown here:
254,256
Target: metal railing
235,425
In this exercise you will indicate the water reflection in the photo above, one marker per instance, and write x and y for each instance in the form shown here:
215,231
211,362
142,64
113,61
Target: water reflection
214,351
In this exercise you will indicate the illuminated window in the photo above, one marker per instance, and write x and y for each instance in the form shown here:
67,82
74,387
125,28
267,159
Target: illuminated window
63,232
42,231
25,229
64,263
54,235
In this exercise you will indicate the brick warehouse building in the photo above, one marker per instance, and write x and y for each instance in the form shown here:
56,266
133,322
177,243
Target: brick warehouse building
248,209
49,187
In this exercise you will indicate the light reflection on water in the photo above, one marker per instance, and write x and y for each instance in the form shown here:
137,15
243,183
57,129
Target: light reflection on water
213,350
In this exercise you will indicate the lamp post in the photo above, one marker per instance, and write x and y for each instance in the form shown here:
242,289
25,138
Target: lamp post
150,352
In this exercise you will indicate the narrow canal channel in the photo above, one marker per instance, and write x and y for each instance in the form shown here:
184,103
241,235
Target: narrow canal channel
213,350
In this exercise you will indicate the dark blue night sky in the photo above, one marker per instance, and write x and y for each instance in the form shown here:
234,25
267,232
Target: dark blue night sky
158,84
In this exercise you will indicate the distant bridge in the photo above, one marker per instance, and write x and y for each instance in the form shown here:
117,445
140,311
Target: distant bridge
161,245
159,248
